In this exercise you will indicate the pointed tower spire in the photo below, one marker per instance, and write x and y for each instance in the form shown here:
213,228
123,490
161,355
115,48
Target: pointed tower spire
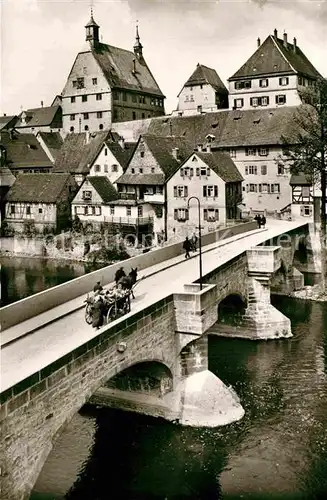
92,30
138,47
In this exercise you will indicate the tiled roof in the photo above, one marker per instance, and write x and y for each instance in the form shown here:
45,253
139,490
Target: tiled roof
150,179
23,150
300,180
232,128
41,117
76,156
204,75
6,177
272,57
222,164
122,155
5,121
53,141
117,66
104,188
37,188
162,150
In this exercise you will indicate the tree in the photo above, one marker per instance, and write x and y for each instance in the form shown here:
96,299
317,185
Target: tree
305,150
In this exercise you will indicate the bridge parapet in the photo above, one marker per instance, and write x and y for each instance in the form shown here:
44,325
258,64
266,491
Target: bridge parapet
195,309
263,260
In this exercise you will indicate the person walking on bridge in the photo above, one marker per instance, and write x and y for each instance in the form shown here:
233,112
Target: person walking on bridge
194,241
187,245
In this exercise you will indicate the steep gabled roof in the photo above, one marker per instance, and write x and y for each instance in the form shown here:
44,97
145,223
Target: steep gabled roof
300,180
40,117
204,75
7,121
272,57
53,141
104,188
162,150
76,155
118,68
123,155
37,188
23,150
222,164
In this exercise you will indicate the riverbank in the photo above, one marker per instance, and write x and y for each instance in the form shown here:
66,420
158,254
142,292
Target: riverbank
309,292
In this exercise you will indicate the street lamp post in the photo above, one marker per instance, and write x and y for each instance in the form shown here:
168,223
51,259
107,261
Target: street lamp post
200,247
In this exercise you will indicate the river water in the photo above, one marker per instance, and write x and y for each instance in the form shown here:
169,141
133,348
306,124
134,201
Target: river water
21,277
278,451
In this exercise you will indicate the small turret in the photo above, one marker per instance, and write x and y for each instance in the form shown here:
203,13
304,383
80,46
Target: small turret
138,47
92,31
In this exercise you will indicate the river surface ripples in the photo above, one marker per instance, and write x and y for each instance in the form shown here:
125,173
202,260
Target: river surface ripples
278,451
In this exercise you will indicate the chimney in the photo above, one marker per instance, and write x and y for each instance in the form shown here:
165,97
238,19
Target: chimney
5,114
275,33
41,104
121,142
87,136
175,152
285,40
208,148
199,147
294,45
258,42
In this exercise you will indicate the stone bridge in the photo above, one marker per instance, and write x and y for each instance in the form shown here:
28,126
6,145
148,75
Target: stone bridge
163,347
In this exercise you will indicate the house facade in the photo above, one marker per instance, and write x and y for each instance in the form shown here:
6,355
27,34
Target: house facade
274,76
90,204
214,179
202,92
143,185
112,159
266,185
108,84
40,202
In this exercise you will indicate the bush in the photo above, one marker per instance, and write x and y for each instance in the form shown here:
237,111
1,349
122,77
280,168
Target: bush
107,255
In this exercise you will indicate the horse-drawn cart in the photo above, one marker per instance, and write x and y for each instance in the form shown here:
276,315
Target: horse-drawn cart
112,308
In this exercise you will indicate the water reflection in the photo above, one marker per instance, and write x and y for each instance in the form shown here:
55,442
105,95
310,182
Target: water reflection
277,451
21,277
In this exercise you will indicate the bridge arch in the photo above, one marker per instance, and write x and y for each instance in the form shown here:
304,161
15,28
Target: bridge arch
232,307
146,376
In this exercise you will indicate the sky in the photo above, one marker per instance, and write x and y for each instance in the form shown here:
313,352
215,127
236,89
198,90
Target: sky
41,38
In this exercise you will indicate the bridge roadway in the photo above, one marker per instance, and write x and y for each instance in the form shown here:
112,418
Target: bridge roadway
30,353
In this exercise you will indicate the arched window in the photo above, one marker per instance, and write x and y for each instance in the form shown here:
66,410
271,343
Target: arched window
101,126
71,129
86,127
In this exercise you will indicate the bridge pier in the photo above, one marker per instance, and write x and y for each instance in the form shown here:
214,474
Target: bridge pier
199,397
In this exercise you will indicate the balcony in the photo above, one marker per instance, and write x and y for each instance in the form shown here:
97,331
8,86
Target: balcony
127,196
153,198
129,221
